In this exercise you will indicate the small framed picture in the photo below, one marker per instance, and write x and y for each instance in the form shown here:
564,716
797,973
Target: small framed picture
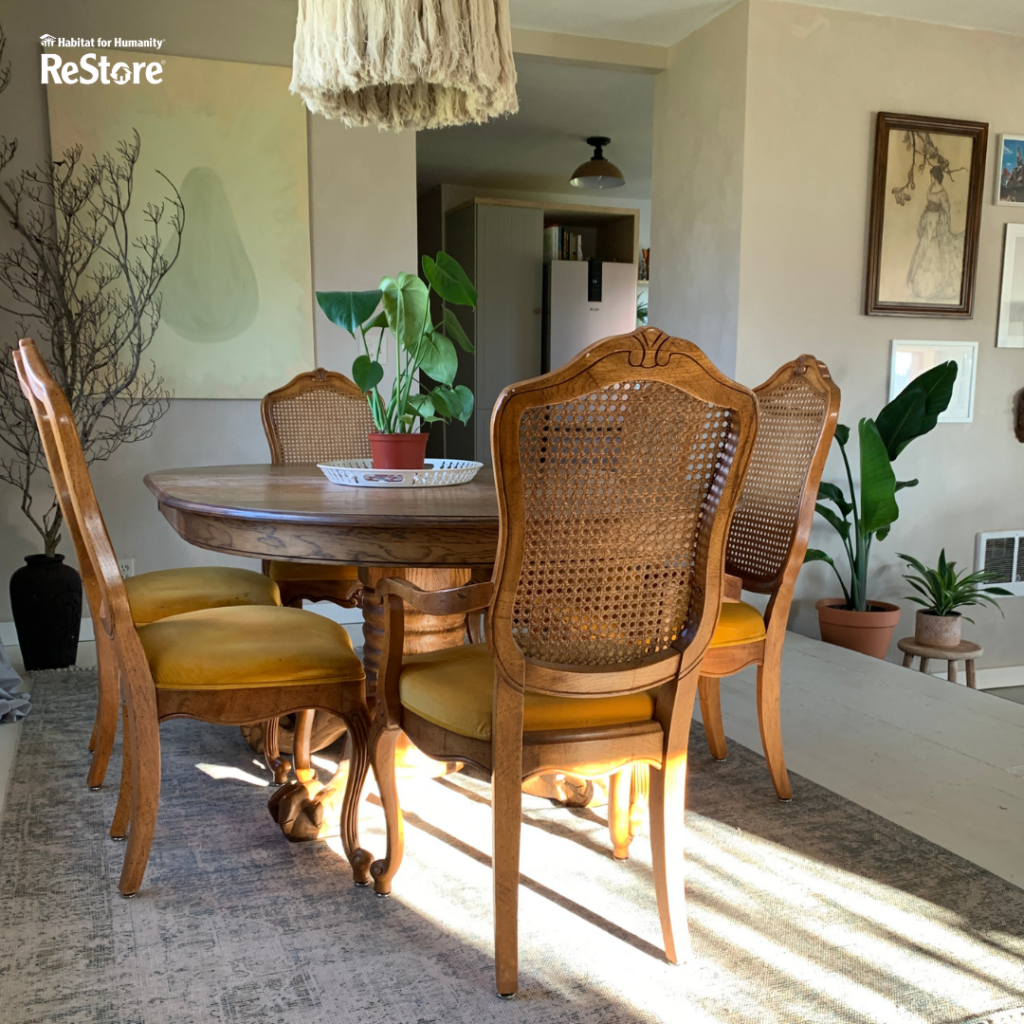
1010,171
911,358
1010,333
926,203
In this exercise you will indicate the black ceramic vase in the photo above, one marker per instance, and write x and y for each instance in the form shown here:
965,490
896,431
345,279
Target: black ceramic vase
46,599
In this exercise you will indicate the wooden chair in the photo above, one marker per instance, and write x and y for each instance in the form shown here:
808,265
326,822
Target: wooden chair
799,408
151,596
317,416
226,665
616,476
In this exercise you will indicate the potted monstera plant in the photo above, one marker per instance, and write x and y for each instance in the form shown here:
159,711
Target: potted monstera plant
866,513
402,305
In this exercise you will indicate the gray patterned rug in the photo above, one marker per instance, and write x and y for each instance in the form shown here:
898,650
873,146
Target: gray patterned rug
815,910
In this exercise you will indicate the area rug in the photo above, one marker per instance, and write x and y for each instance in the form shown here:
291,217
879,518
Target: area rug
811,911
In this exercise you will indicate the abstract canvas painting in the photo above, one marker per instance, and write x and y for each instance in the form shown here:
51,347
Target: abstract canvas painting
925,216
237,313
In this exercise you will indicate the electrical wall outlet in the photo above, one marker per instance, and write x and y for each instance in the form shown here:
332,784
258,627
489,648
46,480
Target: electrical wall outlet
127,566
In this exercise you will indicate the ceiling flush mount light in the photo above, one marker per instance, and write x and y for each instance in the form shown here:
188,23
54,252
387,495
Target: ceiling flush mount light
597,172
405,63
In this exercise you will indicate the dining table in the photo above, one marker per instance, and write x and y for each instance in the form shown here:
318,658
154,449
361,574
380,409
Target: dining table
433,536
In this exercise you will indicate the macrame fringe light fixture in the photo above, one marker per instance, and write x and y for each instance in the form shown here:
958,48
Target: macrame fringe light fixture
405,63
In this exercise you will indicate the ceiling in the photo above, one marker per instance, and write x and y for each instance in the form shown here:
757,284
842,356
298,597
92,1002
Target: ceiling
664,22
538,149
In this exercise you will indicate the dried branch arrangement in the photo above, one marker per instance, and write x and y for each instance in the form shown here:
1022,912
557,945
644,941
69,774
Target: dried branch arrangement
85,285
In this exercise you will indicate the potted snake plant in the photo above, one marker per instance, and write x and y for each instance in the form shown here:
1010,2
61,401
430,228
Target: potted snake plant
940,592
866,513
404,301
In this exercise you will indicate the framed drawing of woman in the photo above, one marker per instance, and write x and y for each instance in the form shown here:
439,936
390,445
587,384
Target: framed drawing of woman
925,215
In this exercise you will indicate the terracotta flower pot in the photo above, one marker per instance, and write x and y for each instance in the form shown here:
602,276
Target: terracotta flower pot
938,630
398,451
868,632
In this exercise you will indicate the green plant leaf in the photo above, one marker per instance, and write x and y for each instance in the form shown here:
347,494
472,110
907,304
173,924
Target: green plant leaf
839,525
878,508
455,331
830,492
438,358
816,555
915,410
842,435
900,484
449,280
467,402
406,303
349,310
367,373
380,320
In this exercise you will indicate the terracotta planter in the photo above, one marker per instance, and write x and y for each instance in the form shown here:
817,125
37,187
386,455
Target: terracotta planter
398,451
868,632
938,630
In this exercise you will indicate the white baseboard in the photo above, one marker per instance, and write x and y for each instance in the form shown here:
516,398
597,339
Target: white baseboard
348,617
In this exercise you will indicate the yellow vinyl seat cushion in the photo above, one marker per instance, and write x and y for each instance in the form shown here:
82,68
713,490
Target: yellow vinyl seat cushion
739,623
233,648
454,688
156,595
285,571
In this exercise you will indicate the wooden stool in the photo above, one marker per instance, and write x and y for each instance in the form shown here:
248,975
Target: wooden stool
965,651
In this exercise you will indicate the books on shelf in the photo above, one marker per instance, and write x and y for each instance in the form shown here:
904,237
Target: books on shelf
562,244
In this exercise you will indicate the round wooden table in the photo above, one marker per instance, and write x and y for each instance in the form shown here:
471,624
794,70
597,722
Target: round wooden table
436,537
433,536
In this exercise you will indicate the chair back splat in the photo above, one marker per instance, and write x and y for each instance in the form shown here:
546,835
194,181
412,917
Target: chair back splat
799,408
610,473
317,417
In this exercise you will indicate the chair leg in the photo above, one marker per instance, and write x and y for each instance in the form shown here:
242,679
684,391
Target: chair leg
123,812
619,788
358,765
382,757
272,752
769,676
711,713
668,832
304,771
104,730
144,740
506,827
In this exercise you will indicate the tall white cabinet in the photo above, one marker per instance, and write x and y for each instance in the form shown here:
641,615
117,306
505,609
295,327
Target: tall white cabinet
501,248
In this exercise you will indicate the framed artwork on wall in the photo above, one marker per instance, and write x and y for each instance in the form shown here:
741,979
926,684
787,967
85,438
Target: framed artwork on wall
925,215
1010,332
1010,170
911,358
237,306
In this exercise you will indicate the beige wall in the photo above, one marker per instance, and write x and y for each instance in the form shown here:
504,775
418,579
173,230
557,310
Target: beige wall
815,81
363,222
698,186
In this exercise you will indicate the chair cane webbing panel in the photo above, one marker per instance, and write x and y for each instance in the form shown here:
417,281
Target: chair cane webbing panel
617,487
321,425
792,417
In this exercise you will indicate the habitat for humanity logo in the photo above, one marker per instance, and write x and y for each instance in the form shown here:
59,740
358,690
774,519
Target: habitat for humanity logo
89,68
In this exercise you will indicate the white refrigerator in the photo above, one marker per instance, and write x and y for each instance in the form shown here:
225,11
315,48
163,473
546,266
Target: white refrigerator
585,301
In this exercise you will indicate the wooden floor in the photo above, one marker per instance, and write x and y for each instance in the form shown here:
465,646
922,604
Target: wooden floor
939,759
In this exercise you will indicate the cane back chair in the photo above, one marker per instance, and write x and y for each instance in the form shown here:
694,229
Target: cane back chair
799,408
227,665
151,596
316,417
616,476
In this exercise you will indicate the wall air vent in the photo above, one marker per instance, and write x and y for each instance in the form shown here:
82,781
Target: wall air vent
1002,551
